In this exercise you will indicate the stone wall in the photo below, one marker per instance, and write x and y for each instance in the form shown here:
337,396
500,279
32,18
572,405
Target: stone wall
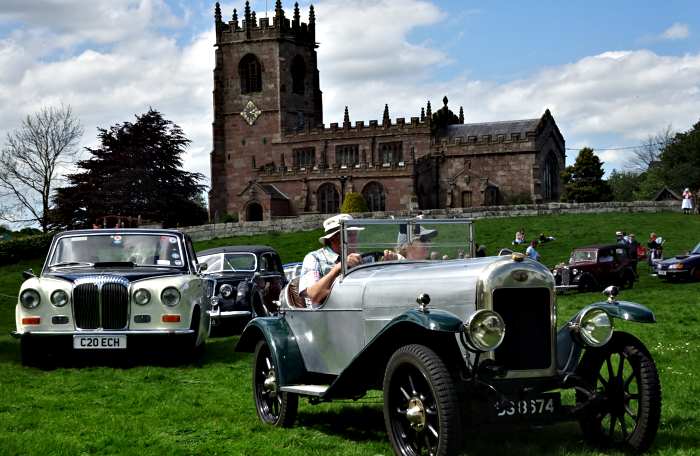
315,221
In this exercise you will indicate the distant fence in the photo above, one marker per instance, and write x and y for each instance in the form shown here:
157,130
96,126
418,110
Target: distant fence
312,222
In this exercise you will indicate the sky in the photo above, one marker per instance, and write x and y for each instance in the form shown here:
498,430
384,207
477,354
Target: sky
611,73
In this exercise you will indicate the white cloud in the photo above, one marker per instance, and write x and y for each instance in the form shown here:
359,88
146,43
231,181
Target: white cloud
677,31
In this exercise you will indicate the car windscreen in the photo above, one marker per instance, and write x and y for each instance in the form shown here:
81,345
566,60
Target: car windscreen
141,249
230,262
412,239
696,249
585,255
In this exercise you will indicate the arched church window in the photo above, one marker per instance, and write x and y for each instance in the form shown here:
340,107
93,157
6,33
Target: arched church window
251,74
375,196
298,74
328,198
549,179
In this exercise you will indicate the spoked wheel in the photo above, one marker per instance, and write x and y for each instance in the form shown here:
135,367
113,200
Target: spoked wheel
274,407
624,373
421,408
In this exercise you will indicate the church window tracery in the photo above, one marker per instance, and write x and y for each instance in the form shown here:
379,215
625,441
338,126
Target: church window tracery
328,198
375,196
347,154
303,158
251,74
391,152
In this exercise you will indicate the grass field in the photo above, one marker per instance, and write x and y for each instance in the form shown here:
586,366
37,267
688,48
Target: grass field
143,406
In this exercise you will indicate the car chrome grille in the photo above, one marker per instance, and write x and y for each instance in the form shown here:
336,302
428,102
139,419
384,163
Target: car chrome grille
565,276
527,314
101,302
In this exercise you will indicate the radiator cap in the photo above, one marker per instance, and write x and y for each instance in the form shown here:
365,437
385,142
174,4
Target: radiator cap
517,256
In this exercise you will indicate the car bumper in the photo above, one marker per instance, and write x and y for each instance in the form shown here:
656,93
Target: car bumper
563,288
672,272
174,332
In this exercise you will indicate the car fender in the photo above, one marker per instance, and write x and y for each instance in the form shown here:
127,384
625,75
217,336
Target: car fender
583,277
283,346
626,270
569,352
433,327
244,294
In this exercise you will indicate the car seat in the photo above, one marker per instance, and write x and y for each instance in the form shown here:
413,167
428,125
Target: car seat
293,298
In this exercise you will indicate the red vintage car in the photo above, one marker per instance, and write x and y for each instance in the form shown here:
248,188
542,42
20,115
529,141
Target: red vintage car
596,267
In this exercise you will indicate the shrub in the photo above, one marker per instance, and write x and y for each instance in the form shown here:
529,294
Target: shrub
25,248
230,218
511,199
354,202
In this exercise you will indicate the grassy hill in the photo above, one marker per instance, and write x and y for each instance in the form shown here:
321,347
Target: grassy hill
146,407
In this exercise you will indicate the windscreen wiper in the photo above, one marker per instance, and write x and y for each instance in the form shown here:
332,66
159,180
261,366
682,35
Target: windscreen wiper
71,263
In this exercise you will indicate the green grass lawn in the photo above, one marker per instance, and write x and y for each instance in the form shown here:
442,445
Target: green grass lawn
144,406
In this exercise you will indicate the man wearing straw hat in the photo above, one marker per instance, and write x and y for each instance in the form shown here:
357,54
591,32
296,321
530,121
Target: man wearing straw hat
321,267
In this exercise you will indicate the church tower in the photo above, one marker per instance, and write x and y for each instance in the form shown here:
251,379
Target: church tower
266,81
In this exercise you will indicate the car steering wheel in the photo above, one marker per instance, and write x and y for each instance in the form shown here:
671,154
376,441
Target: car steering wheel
376,254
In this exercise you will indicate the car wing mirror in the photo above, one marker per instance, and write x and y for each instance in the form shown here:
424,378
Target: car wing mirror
256,275
28,274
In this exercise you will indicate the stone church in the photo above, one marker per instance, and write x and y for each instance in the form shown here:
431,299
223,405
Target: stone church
274,157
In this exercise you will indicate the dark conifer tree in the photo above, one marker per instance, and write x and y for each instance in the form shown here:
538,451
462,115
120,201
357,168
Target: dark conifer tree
583,181
135,171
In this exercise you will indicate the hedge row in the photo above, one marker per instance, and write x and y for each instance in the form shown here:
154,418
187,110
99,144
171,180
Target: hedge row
25,248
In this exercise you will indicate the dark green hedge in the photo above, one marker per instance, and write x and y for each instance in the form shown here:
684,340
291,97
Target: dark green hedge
25,248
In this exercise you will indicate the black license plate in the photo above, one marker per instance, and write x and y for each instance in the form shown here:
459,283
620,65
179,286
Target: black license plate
528,407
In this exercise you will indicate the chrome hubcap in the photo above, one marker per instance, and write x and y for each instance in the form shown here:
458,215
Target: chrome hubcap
416,414
270,383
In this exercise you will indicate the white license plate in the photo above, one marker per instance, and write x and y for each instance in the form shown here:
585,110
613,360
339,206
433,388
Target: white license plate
662,272
87,342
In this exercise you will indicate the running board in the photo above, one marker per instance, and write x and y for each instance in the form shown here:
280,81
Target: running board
305,390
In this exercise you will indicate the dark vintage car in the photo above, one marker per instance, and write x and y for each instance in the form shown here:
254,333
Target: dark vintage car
248,281
114,290
595,267
681,266
292,270
454,344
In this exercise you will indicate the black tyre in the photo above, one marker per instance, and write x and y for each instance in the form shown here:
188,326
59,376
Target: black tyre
625,374
421,408
273,407
586,284
32,353
627,280
695,274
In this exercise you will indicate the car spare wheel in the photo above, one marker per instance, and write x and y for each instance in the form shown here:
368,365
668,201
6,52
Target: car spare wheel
625,374
273,407
421,408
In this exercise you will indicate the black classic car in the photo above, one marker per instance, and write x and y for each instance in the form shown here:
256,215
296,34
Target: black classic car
595,267
681,266
115,291
453,345
247,281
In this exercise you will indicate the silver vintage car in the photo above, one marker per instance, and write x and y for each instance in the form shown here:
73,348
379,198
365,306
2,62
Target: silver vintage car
114,290
454,343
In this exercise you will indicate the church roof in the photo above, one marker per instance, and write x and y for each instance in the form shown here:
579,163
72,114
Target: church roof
507,128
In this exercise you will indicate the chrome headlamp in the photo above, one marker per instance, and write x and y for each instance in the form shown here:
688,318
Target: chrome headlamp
485,330
593,327
59,298
142,297
30,299
170,297
226,291
574,271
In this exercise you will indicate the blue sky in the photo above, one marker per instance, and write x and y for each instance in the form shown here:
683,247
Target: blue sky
610,72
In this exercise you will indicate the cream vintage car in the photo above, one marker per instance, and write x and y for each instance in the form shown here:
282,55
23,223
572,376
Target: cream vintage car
114,290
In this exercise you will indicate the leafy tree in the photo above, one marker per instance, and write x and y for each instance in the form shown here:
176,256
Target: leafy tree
135,171
354,202
680,160
649,184
32,163
624,185
583,181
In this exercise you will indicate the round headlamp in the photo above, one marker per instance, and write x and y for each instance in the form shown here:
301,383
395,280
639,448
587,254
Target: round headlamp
575,271
593,327
170,297
30,299
226,291
485,330
142,297
59,298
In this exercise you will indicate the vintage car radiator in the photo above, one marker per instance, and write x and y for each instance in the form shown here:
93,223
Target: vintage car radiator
101,303
527,314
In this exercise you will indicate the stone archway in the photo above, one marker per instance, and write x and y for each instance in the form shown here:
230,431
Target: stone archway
254,213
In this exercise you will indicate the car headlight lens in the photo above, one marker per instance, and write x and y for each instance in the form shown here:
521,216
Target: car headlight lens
679,266
142,297
30,299
170,297
226,291
485,330
575,271
59,298
593,326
